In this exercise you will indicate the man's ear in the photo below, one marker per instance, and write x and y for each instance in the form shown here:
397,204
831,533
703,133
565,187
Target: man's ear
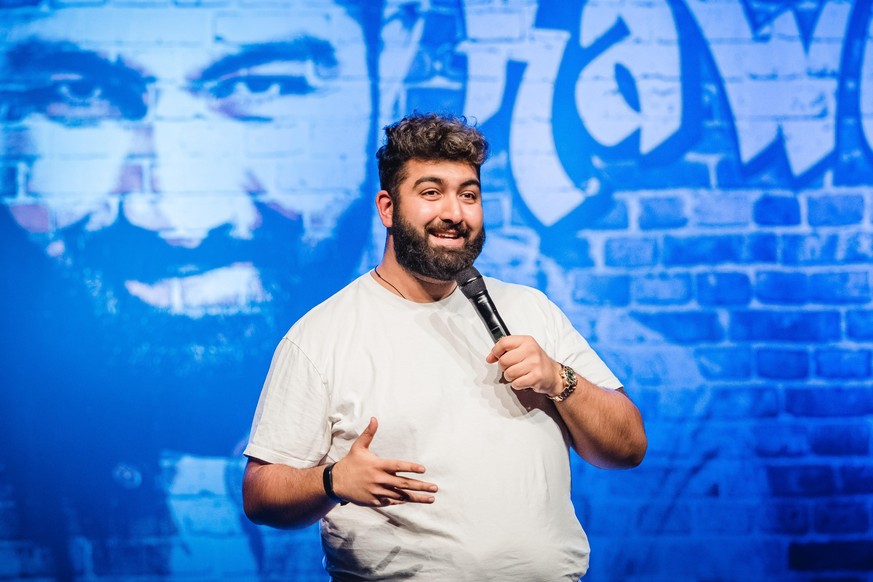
385,207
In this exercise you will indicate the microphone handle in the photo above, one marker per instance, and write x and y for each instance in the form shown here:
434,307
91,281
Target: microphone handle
488,313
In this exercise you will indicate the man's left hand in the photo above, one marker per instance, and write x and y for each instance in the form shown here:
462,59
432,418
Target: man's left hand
525,365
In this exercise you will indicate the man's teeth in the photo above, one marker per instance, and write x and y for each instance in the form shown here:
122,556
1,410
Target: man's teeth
226,290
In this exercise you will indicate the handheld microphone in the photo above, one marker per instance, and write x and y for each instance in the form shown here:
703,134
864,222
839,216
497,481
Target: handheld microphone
473,287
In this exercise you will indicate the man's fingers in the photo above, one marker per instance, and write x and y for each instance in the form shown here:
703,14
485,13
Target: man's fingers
402,467
367,436
393,496
405,484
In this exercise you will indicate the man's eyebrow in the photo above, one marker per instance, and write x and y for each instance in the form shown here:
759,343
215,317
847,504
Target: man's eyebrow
440,182
435,179
304,48
37,57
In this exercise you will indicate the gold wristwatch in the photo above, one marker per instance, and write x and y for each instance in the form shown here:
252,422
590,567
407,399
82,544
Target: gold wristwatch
568,377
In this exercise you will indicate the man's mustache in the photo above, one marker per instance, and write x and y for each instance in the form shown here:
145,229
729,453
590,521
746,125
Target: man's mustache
460,229
123,251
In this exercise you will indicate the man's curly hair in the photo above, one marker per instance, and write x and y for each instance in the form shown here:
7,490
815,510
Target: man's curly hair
427,136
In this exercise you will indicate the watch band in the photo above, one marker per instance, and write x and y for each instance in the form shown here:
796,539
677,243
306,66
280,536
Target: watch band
568,377
327,481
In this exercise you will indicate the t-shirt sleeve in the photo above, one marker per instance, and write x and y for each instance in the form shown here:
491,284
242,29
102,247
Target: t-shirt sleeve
291,424
573,350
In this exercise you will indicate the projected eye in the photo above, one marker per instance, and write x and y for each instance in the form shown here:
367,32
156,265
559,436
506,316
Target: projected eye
243,93
71,98
69,85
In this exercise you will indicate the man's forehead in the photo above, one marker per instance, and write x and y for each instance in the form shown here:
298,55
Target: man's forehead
419,171
185,37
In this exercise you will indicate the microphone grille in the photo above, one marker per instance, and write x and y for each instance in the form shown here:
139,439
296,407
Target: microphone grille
470,281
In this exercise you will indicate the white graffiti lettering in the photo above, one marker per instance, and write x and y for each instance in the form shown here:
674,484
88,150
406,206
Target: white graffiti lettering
650,55
775,86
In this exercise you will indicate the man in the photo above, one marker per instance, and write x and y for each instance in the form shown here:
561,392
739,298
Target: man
428,452
166,160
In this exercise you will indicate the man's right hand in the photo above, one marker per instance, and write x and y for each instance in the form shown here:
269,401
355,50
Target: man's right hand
363,478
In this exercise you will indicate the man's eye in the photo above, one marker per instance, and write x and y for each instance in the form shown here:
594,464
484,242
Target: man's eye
72,99
243,86
79,91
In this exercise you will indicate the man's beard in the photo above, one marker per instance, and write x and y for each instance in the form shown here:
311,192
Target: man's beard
415,253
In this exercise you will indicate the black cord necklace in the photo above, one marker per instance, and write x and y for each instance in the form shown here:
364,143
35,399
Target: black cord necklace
376,270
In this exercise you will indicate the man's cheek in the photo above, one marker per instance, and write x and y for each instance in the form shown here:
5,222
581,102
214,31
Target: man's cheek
74,173
34,218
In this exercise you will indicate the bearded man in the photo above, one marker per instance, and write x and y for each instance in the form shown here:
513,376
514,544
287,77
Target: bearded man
488,425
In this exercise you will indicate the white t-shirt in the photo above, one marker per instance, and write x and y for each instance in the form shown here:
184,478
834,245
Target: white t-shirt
499,457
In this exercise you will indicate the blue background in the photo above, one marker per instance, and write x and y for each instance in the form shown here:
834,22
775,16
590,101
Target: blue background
689,180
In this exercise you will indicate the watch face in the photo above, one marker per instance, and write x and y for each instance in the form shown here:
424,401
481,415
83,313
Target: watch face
570,376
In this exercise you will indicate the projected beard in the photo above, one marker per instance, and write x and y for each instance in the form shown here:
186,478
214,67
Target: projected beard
415,254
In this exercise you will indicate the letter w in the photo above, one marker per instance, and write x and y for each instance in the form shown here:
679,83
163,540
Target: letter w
773,83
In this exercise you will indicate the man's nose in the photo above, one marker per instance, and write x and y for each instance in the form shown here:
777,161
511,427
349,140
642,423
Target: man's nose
194,181
450,209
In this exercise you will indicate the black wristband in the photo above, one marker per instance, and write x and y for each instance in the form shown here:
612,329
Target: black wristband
327,479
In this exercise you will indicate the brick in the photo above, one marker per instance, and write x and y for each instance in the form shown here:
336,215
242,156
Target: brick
573,253
10,520
683,327
832,555
743,401
732,363
777,211
662,213
117,558
615,219
846,438
856,479
781,440
843,364
661,289
724,517
830,401
841,517
645,481
608,518
852,287
20,560
206,515
719,208
664,518
789,326
815,249
782,288
488,23
723,289
602,289
715,249
801,480
291,554
839,210
687,560
784,518
782,364
857,248
859,324
630,252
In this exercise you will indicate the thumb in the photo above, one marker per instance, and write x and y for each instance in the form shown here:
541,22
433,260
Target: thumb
367,436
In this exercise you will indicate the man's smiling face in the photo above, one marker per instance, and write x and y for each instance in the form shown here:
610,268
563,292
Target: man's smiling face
186,163
437,224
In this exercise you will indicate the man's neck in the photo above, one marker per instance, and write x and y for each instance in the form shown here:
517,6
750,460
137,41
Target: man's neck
411,286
